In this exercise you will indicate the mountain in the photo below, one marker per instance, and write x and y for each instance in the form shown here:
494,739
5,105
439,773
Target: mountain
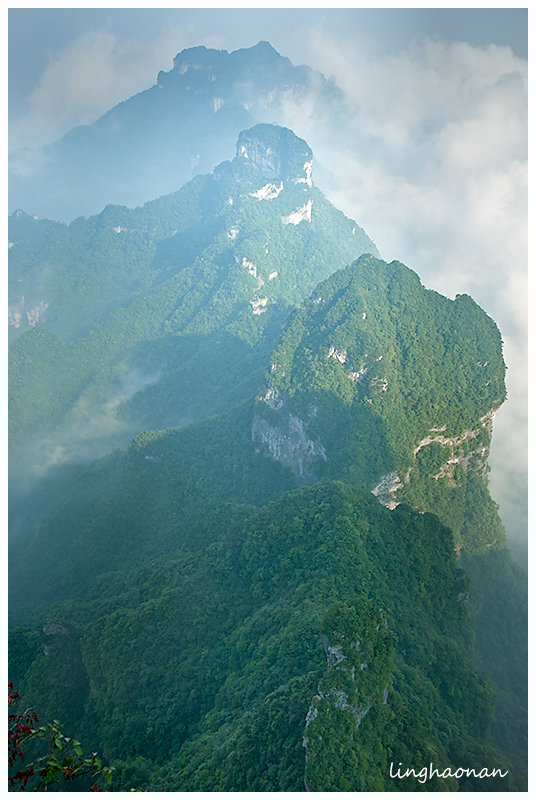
179,292
389,386
157,140
396,385
356,390
289,573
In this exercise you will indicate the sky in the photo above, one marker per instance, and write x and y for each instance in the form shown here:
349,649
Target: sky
431,159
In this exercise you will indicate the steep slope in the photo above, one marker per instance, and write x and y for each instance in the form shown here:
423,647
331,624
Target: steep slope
156,497
250,622
195,284
283,657
396,386
157,140
375,381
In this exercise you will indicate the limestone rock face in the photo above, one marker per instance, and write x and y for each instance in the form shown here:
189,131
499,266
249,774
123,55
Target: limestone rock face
284,438
276,152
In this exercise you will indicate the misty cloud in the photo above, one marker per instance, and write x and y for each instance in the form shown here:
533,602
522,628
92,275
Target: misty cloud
96,424
97,70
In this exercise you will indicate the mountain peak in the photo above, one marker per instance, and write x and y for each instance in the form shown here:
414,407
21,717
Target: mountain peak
276,152
220,93
265,48
201,57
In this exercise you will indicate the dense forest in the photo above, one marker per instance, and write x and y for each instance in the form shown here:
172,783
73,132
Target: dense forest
212,264
210,663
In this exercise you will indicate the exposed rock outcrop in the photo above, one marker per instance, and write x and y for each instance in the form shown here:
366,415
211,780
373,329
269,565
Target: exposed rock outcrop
347,686
283,437
387,488
468,451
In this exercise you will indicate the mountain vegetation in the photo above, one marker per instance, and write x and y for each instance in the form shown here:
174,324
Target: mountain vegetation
252,542
284,652
219,267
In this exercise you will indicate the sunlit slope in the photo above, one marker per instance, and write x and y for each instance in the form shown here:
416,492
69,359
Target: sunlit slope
389,386
395,386
197,595
375,381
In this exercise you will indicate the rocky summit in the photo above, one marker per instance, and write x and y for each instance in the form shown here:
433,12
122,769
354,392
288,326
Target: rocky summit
276,153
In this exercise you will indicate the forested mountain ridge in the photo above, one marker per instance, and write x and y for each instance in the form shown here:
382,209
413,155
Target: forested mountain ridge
391,387
218,624
69,277
128,154
163,497
359,388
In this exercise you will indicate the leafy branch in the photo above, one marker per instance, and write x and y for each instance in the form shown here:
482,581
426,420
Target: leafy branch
64,759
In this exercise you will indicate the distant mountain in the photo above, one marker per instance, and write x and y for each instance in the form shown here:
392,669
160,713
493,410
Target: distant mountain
157,140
